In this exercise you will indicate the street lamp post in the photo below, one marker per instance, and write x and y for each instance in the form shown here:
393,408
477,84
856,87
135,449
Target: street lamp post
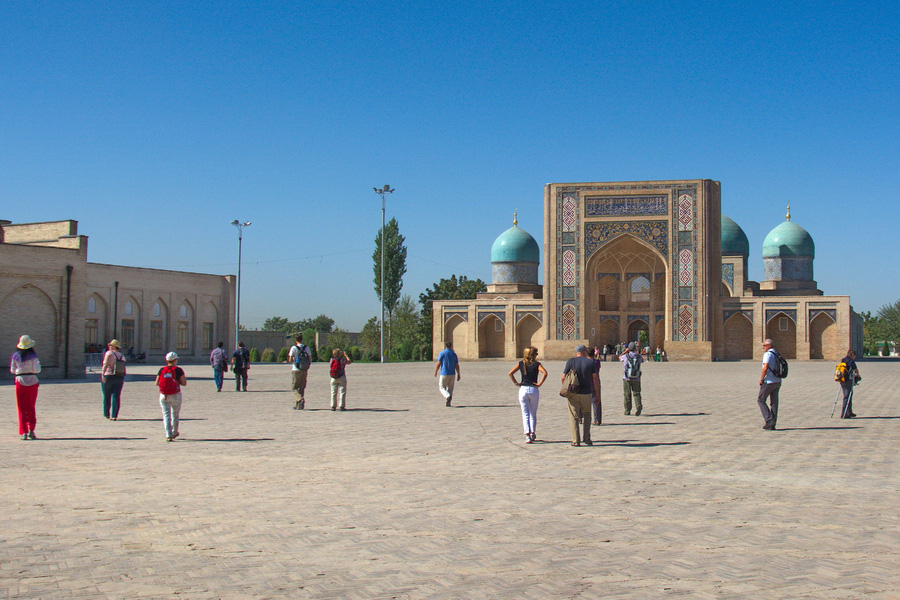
237,313
381,192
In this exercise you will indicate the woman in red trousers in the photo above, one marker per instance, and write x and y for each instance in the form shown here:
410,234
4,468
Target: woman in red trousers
24,364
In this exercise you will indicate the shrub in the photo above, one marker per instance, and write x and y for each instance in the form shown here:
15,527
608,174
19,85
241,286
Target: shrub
325,354
283,355
254,355
354,353
268,355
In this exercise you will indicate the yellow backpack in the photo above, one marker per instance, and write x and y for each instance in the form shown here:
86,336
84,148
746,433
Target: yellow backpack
841,372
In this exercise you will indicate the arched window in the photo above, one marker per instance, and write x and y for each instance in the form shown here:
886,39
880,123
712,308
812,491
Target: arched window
156,310
640,290
92,305
129,308
183,310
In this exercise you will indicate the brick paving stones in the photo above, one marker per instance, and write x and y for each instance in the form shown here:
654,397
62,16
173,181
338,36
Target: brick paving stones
401,497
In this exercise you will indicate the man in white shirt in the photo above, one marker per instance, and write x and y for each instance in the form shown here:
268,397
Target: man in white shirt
769,385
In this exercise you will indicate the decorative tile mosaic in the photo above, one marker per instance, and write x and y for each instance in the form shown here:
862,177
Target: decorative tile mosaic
771,313
569,329
686,267
568,238
644,318
685,212
500,314
685,321
654,232
828,311
728,275
537,314
607,206
568,266
659,318
568,293
728,313
609,318
569,212
464,315
616,276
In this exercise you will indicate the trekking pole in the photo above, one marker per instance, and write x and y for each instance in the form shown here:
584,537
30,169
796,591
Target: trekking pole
849,404
839,394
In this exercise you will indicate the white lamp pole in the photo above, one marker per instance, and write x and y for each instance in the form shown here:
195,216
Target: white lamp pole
237,313
381,192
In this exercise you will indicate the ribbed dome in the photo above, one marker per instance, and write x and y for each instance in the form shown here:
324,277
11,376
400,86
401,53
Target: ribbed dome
515,245
734,240
788,240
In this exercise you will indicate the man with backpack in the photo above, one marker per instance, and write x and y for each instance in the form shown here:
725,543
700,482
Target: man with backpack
300,360
770,384
240,364
631,381
588,393
169,380
847,375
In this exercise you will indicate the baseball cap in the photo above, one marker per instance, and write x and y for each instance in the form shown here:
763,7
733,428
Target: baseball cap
171,356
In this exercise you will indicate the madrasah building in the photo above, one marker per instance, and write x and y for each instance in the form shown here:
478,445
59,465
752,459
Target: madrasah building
651,260
68,305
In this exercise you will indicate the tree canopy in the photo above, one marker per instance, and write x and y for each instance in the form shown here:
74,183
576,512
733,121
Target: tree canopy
394,264
321,323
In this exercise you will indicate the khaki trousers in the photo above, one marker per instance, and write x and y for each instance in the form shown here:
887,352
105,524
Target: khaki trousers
580,408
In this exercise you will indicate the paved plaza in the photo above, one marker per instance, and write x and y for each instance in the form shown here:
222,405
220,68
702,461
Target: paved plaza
401,497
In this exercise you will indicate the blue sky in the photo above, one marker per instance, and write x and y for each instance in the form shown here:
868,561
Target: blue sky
157,124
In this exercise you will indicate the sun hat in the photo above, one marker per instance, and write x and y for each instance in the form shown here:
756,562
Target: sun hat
114,342
25,342
171,356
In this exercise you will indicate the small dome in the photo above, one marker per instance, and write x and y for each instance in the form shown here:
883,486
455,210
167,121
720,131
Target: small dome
734,240
788,240
515,245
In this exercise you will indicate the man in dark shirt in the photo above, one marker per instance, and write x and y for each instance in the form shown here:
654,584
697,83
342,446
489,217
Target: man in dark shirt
847,386
588,392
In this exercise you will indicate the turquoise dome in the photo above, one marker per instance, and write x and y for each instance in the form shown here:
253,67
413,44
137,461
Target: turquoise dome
788,240
515,245
734,240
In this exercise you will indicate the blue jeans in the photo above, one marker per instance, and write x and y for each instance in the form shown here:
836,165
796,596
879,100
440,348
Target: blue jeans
219,377
112,395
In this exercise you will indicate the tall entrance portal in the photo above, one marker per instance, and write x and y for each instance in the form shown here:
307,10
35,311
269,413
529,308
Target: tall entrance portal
626,293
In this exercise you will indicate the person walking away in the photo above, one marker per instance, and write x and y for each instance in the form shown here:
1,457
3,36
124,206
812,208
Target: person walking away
240,364
24,364
658,353
170,379
338,372
852,378
300,360
631,379
112,379
218,358
769,386
588,390
448,365
529,389
597,404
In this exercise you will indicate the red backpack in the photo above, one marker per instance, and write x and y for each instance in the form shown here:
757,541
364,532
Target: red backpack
337,368
168,381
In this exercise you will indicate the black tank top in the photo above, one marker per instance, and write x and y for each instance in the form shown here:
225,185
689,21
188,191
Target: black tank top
529,372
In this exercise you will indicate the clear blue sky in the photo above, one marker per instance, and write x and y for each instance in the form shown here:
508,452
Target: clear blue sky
156,124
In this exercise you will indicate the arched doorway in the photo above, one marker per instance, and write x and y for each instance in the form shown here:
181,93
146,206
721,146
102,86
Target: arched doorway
823,338
623,277
782,330
39,320
639,331
528,331
456,332
738,334
491,337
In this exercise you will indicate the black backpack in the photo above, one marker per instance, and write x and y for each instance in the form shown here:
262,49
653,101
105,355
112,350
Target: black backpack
781,366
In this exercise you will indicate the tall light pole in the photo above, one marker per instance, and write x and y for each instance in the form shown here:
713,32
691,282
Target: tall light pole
381,192
237,313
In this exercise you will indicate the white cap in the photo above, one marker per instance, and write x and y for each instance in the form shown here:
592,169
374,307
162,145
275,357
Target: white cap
171,356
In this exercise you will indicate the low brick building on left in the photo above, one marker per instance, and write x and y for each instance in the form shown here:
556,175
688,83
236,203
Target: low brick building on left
50,291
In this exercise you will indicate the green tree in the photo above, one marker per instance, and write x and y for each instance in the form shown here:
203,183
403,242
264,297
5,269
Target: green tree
406,328
321,323
370,339
277,324
394,268
339,339
254,355
283,354
888,326
268,355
